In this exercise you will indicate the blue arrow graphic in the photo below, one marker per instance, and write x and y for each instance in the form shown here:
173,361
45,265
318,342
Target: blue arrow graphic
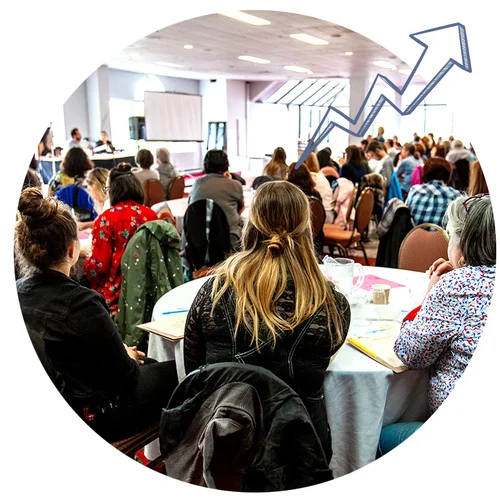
319,136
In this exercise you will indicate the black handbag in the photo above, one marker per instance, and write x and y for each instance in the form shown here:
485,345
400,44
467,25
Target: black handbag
82,214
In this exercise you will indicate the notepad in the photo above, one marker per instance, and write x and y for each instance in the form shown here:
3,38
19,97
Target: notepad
380,347
170,327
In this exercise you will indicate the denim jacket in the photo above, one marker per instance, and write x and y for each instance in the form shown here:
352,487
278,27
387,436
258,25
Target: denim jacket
79,337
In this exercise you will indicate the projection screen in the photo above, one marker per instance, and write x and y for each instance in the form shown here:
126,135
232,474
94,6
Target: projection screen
173,117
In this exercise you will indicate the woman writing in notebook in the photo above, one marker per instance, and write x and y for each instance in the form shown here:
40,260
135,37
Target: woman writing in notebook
270,305
442,333
103,380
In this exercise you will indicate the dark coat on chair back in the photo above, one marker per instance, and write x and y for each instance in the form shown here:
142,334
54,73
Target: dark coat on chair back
396,223
240,428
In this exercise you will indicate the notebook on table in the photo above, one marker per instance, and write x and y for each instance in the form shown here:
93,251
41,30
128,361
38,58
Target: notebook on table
170,327
380,347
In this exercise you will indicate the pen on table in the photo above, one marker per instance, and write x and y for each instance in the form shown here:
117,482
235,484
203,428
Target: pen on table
380,330
175,312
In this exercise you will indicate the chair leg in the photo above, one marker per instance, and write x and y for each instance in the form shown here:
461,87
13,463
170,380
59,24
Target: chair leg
364,252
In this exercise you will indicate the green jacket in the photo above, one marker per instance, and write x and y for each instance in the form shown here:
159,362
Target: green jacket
151,267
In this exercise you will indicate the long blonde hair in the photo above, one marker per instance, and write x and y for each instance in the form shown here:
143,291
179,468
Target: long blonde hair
277,245
277,167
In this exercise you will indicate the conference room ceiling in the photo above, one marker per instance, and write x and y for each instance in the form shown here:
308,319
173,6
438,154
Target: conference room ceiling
218,41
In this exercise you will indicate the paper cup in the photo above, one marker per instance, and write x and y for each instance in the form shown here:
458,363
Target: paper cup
378,290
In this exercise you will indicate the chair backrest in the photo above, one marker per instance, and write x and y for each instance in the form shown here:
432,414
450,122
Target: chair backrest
318,215
176,188
261,179
206,230
422,246
166,214
364,210
351,204
153,192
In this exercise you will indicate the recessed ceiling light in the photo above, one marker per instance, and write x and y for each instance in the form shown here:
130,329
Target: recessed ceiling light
385,64
188,47
349,53
252,59
171,65
405,71
246,18
298,69
303,37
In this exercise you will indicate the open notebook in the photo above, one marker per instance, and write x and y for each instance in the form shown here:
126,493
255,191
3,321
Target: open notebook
170,327
380,347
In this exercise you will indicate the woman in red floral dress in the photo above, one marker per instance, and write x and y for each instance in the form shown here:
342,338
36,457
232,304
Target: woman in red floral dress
112,231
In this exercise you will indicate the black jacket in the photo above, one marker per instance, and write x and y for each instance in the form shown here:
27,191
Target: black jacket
79,338
239,427
300,357
390,241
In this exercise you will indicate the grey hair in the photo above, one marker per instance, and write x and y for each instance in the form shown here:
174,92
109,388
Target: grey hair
163,155
473,231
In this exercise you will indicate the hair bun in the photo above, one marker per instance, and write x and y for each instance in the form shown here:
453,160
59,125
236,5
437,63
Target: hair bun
276,244
35,209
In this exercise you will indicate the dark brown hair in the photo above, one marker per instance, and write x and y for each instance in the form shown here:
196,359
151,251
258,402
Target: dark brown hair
440,151
124,185
410,148
437,169
354,155
301,177
144,158
45,228
76,163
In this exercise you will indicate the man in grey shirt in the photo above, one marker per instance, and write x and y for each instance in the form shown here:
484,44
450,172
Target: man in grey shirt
226,192
76,139
376,151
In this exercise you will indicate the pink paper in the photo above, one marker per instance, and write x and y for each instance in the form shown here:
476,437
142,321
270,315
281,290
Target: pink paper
83,235
370,280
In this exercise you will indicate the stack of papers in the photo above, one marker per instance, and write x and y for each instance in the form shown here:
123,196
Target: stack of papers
380,347
170,326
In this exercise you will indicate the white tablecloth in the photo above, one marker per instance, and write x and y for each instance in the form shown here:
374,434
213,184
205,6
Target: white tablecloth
361,395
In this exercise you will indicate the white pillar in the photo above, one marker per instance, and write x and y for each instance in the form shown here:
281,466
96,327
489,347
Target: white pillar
357,94
97,86
397,117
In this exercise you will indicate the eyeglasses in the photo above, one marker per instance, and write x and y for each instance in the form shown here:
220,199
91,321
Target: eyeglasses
467,203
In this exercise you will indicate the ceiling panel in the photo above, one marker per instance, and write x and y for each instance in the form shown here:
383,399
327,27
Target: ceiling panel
219,40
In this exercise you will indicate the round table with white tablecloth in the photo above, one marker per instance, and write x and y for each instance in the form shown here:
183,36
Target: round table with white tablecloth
361,395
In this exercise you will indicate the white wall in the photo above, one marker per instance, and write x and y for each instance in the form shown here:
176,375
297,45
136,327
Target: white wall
236,123
76,112
270,126
122,84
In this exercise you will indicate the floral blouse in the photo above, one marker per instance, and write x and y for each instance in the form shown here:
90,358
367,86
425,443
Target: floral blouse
444,332
110,235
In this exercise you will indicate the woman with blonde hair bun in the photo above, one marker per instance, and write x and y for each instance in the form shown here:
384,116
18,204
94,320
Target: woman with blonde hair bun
270,304
97,179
